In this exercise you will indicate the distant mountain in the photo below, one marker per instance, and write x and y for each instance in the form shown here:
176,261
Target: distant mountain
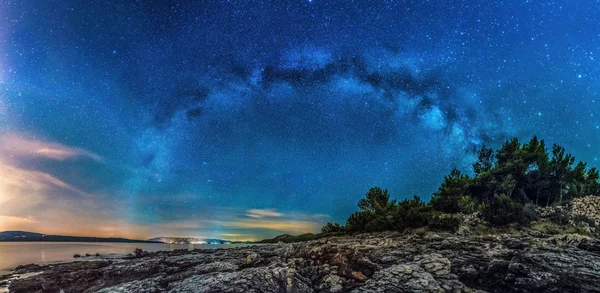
287,238
195,240
19,234
30,236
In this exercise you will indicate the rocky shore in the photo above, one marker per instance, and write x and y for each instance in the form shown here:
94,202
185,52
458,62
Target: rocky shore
522,261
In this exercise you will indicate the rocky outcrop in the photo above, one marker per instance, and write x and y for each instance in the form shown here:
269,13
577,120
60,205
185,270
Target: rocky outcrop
588,207
384,262
581,212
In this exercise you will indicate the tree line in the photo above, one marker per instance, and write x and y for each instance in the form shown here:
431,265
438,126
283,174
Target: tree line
505,187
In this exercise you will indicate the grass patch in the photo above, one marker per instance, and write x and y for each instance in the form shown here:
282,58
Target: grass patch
549,227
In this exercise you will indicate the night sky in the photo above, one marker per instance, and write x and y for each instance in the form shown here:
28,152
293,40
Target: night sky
247,119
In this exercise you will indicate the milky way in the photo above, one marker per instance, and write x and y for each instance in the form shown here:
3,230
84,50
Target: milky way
245,120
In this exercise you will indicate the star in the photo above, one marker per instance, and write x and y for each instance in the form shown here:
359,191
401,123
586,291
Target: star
264,106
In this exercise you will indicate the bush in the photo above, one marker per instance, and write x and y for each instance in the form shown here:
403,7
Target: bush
549,227
415,218
358,221
332,228
77,255
466,205
445,222
501,210
377,224
581,219
530,212
558,215
378,213
411,213
453,188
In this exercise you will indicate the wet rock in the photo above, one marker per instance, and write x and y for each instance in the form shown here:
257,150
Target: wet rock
139,253
29,268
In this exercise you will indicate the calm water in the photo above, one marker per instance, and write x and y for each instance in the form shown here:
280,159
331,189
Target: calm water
18,253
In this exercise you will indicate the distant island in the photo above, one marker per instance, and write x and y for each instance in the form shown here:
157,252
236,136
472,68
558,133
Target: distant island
20,236
195,240
287,238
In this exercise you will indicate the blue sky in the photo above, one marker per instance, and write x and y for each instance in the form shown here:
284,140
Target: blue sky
246,120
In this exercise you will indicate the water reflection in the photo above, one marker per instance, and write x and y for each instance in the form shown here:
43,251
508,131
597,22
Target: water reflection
18,253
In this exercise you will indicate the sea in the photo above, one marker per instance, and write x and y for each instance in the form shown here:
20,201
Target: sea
13,254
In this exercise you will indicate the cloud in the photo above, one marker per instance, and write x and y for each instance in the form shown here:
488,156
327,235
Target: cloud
283,226
234,234
36,201
236,223
16,182
258,214
15,145
39,202
20,221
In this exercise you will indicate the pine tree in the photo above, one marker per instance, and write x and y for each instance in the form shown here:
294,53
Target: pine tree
454,186
376,200
560,170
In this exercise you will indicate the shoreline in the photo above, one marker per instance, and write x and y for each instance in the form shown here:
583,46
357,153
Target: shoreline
7,276
23,270
14,254
427,261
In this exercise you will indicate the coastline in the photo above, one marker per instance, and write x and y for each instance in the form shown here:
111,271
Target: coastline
420,261
88,252
21,271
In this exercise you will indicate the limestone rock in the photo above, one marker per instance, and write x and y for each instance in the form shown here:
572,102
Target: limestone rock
373,262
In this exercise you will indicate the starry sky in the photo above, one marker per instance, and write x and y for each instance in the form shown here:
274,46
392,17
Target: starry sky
249,119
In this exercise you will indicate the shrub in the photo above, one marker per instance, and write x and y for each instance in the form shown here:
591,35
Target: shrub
453,188
415,218
378,213
358,221
332,228
581,219
445,222
549,227
376,224
501,210
466,205
558,215
411,213
77,255
530,212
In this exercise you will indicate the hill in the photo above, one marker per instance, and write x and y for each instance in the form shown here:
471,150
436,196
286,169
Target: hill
13,236
287,238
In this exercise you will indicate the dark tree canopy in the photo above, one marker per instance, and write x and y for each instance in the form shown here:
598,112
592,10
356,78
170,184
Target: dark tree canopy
376,200
506,187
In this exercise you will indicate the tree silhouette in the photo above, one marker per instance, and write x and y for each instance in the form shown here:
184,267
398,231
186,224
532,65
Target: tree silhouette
506,188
